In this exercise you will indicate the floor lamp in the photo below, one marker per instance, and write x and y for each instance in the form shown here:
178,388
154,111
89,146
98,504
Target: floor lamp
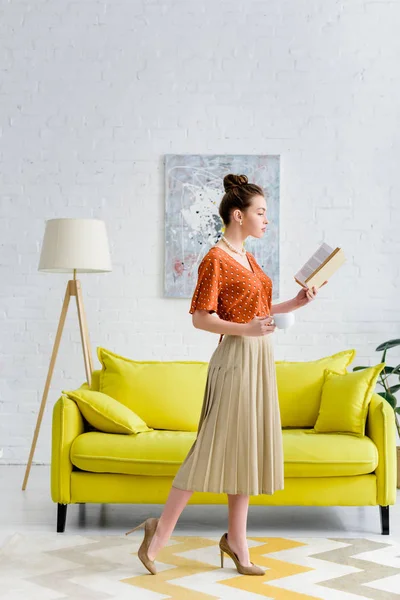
77,246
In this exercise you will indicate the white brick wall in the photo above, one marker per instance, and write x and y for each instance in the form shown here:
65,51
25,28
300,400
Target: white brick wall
93,94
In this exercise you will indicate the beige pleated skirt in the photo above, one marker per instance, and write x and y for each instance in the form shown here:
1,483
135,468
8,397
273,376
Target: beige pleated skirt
238,448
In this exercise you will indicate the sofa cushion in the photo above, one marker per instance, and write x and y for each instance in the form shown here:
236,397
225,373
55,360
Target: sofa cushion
311,454
345,400
165,394
105,413
157,452
306,453
300,387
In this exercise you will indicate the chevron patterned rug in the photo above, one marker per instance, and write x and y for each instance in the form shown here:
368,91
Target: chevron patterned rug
77,567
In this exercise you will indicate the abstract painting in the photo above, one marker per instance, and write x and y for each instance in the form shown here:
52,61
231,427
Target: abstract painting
193,192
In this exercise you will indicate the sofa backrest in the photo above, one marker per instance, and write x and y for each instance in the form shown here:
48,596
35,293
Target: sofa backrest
166,395
95,380
300,386
169,395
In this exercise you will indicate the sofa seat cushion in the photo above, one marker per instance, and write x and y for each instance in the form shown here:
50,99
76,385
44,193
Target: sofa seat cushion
311,454
161,452
157,452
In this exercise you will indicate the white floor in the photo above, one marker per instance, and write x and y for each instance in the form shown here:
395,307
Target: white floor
32,510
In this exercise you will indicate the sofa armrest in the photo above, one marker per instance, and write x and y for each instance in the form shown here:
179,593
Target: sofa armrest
381,428
67,425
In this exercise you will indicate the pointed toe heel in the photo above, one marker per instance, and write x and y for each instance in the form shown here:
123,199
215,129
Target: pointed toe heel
242,569
150,526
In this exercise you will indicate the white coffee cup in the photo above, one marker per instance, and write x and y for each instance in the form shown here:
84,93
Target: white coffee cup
284,320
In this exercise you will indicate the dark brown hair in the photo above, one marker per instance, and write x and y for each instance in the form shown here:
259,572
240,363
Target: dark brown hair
238,194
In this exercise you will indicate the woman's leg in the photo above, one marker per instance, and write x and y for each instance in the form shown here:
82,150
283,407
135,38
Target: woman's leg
176,502
237,522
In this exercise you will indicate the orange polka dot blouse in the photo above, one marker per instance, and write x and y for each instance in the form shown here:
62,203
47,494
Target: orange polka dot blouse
231,290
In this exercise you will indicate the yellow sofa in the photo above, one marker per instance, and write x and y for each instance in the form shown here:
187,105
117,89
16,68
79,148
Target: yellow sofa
330,469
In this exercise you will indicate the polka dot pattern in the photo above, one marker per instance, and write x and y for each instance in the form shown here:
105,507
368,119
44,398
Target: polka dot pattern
231,290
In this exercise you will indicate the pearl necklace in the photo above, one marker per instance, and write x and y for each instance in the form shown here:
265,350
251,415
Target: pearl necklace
241,252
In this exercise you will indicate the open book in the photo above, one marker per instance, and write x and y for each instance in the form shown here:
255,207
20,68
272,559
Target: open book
320,267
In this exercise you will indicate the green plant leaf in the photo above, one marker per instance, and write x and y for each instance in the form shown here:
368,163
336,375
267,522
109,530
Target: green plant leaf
388,344
397,410
394,388
385,371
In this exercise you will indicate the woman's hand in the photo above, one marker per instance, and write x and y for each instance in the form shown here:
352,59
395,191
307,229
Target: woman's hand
260,326
306,295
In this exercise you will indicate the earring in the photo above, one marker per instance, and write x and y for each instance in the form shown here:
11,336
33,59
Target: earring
241,222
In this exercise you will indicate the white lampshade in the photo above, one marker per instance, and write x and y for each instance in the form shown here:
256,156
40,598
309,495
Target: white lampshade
79,244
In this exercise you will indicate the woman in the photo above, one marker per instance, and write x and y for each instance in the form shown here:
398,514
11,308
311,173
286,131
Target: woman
238,448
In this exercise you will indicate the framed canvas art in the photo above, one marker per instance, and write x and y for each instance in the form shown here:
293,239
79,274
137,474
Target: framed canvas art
193,192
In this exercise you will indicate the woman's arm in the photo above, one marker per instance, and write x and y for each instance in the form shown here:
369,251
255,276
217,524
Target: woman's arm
202,319
285,307
304,296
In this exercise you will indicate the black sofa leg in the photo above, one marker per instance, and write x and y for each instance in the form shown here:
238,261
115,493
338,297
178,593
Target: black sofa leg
384,510
61,517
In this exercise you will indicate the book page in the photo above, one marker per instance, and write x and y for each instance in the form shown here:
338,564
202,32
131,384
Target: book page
314,262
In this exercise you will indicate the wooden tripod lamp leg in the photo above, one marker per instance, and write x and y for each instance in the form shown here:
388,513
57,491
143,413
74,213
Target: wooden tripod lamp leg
48,381
73,289
87,353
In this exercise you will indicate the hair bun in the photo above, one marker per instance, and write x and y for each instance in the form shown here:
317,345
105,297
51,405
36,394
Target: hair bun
232,181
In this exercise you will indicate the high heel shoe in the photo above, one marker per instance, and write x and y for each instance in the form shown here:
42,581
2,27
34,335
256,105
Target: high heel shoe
150,526
244,570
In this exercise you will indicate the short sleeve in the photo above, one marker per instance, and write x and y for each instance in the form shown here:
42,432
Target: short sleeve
205,296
